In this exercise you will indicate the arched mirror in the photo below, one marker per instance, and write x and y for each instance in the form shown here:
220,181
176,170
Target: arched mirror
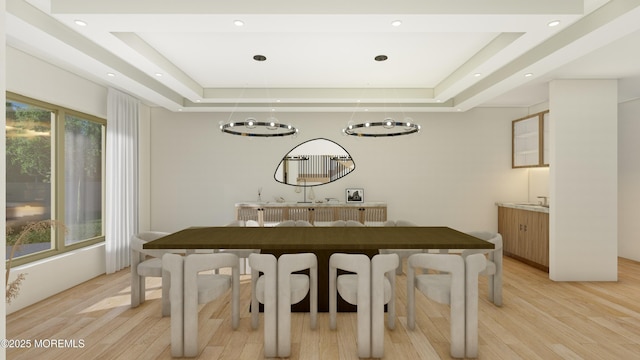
314,162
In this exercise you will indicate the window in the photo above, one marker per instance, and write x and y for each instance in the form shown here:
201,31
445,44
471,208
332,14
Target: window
55,170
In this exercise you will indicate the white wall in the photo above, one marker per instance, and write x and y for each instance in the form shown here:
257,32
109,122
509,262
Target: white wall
34,78
52,275
451,174
629,180
30,76
583,237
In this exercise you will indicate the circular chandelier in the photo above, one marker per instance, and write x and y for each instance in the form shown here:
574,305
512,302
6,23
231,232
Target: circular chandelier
388,127
251,127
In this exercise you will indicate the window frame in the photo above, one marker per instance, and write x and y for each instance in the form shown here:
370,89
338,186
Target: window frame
58,179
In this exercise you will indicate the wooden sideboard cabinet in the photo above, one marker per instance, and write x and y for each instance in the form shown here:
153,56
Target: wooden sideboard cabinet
315,213
525,235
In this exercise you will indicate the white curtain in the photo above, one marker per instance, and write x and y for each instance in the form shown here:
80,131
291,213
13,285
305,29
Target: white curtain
122,178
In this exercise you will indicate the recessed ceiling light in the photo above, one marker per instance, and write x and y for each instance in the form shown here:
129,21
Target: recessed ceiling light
553,23
477,74
528,75
238,23
111,75
396,23
381,58
158,74
259,57
80,22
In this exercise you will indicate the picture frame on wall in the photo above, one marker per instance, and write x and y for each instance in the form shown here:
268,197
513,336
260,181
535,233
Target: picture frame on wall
355,195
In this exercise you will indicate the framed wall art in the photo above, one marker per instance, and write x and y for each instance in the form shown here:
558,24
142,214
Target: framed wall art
355,195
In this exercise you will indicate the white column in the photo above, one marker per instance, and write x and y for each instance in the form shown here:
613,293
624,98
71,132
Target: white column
583,244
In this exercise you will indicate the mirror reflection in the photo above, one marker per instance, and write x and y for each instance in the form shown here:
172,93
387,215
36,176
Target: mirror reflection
314,162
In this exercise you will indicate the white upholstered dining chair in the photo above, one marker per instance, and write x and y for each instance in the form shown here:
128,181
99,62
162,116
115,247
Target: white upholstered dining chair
279,288
242,254
264,290
493,269
355,289
292,288
147,263
189,288
383,284
402,253
369,286
294,223
348,223
457,286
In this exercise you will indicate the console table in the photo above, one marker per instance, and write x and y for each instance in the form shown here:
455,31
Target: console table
315,213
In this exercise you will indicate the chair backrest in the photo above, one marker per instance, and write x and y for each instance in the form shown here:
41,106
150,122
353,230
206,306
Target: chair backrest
266,263
361,265
398,223
201,292
303,223
494,238
352,223
195,263
264,289
287,264
382,266
443,288
286,223
243,223
138,240
292,223
296,262
383,276
453,264
338,223
355,263
251,223
350,262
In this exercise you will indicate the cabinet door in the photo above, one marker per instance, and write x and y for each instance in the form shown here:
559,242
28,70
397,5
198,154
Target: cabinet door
538,236
525,235
508,228
526,142
530,141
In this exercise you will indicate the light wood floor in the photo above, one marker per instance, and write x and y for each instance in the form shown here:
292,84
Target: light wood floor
540,319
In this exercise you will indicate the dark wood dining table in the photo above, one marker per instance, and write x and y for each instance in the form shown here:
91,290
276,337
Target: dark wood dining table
323,241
